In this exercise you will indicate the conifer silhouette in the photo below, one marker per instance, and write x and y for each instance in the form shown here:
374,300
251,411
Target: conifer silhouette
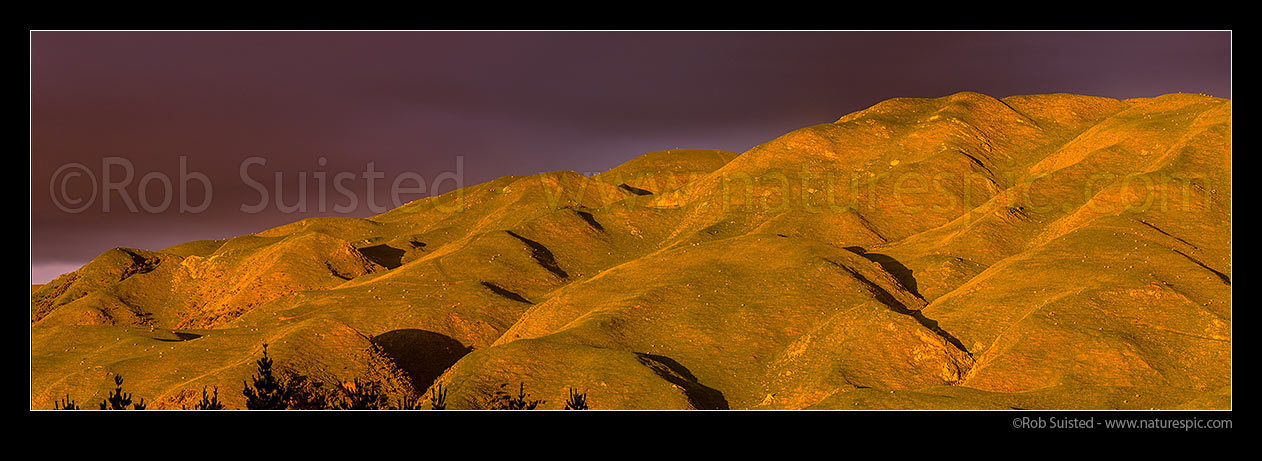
504,401
120,400
267,393
211,403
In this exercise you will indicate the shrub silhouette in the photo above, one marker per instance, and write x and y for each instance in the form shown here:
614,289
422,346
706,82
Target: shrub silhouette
408,402
209,403
293,392
438,398
267,393
270,391
363,395
576,401
306,394
120,400
502,400
65,404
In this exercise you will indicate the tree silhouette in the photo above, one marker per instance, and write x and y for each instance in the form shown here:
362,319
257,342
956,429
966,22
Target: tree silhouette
65,404
120,400
363,395
408,402
438,398
211,403
267,393
305,393
502,400
576,401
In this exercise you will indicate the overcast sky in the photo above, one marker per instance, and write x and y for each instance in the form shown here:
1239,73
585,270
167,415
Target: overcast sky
483,104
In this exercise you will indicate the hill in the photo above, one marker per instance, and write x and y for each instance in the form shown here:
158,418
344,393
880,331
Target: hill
1044,251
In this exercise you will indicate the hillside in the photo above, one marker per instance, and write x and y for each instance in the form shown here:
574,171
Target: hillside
1038,252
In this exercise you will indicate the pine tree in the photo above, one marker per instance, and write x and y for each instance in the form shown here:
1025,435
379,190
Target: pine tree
268,393
211,403
120,400
505,401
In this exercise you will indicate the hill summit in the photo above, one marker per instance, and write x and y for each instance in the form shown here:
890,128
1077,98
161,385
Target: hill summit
1038,252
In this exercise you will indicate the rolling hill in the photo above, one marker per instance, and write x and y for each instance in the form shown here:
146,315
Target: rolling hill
965,252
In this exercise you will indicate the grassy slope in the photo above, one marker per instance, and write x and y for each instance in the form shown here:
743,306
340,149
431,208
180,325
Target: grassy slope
959,252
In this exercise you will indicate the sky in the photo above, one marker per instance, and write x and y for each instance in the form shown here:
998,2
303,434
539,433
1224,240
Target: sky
149,139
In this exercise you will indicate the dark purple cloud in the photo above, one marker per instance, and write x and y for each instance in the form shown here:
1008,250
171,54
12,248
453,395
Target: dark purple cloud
507,103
